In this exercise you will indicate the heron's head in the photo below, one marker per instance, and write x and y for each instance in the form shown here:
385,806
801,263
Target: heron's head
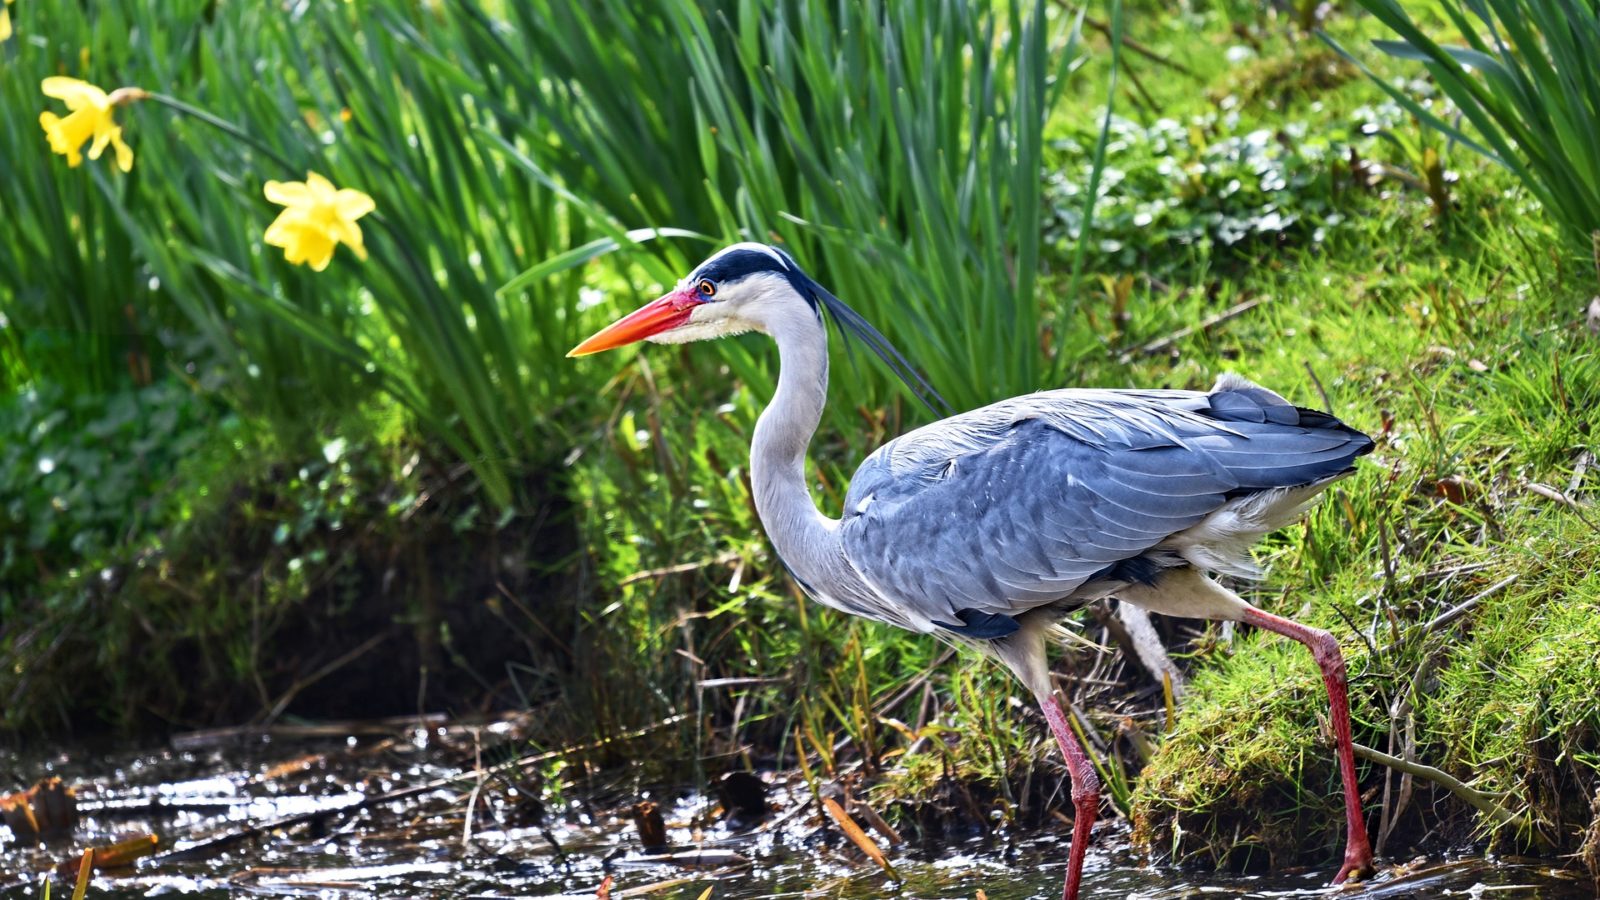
752,287
744,287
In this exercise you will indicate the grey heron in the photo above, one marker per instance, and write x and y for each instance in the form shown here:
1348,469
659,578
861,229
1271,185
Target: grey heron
984,528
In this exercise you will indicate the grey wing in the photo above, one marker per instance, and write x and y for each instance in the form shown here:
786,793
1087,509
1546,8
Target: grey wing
986,515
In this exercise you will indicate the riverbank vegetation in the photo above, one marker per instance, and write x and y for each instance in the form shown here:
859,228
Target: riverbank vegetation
233,488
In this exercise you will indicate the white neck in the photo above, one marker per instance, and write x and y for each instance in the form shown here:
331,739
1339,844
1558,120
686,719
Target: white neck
805,538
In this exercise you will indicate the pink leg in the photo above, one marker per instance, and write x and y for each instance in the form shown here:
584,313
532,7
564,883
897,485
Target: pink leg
1357,850
1085,790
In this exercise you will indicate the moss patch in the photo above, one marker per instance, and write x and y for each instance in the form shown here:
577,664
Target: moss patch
1517,708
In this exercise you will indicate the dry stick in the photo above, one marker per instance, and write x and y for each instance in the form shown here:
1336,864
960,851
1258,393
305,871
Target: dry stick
1550,493
1580,469
351,656
1131,628
1162,345
477,788
1404,707
721,559
1139,48
1460,609
1482,801
210,845
1138,87
1430,575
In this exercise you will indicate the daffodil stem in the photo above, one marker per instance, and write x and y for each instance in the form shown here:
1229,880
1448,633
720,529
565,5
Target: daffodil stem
224,126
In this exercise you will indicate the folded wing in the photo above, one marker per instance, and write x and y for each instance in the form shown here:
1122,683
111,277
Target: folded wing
975,519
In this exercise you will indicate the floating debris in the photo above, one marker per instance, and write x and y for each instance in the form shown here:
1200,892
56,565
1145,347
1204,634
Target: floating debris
652,830
48,809
689,859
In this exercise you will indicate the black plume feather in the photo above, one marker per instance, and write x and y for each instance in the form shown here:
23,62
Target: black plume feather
853,327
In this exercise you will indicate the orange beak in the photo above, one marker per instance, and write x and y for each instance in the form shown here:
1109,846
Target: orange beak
654,317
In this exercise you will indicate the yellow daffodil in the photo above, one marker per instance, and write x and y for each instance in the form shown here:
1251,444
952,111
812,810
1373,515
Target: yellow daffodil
5,21
89,119
315,219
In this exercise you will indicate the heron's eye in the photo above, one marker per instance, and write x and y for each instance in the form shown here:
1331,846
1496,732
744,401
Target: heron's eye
707,287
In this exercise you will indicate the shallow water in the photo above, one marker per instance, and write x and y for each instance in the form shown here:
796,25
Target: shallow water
420,847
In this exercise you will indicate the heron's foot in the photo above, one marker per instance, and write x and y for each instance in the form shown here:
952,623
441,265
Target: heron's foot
1357,865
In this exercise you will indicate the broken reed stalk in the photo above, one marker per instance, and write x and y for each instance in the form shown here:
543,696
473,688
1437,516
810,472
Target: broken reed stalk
1169,701
857,836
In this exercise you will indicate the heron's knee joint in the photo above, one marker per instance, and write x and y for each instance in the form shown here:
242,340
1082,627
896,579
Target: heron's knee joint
1086,788
1325,649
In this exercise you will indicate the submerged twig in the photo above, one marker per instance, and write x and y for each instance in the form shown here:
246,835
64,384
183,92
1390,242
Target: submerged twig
212,737
212,844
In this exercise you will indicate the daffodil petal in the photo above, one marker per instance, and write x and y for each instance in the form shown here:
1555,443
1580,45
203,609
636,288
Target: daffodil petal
75,93
280,234
287,193
344,232
321,188
349,234
5,24
68,135
316,218
320,253
102,137
352,204
124,152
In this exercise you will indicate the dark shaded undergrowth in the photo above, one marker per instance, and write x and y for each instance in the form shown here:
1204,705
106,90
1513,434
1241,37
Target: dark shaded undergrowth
356,578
